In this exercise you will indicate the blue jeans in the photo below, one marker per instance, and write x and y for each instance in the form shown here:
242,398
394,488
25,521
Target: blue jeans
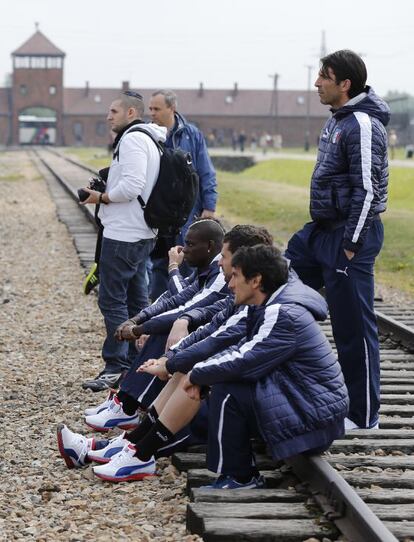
123,292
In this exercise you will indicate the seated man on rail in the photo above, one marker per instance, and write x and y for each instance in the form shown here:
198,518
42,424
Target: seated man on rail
222,320
285,363
203,244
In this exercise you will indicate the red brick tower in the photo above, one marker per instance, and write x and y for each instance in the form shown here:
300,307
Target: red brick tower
37,92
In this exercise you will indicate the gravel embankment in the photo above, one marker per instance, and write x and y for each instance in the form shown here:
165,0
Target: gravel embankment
50,338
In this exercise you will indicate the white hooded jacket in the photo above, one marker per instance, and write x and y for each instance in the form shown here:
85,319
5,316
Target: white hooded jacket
132,175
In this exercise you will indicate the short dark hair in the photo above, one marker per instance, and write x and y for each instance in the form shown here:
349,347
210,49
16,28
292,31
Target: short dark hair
130,98
263,260
346,65
209,229
245,235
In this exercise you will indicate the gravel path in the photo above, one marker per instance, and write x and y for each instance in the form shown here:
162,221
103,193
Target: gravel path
50,338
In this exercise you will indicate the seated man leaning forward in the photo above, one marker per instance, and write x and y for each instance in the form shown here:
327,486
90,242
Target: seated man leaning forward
216,327
281,381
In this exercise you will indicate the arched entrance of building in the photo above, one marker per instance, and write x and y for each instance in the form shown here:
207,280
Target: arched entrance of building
37,126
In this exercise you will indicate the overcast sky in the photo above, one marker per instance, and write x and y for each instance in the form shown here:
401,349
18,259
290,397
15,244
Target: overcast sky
180,43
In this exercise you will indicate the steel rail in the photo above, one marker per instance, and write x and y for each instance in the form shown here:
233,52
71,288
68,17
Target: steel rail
338,500
72,161
67,186
396,330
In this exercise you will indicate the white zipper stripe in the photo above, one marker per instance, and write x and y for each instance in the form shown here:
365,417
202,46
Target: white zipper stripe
220,434
366,139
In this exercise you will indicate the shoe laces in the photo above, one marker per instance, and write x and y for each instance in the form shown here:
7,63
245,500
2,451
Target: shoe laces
115,405
128,451
115,439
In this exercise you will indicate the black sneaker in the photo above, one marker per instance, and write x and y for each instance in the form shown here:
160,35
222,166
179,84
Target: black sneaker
104,381
92,279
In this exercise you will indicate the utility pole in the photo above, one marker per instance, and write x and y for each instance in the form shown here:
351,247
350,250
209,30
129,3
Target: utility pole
274,108
323,45
308,96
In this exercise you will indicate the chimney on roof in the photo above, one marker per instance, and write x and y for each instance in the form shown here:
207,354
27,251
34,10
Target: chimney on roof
201,90
87,88
235,90
125,86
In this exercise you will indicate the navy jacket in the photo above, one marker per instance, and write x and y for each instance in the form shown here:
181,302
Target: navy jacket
300,396
189,138
200,316
177,283
227,327
350,179
206,288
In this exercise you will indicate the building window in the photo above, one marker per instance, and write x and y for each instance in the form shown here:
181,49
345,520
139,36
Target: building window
78,131
23,90
101,129
54,62
38,62
22,61
52,90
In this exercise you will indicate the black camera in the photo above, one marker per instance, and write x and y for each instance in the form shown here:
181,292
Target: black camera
98,184
95,183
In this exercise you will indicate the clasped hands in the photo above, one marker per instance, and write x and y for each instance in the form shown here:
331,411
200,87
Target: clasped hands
128,331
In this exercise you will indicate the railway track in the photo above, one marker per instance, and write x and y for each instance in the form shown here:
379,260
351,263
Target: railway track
363,488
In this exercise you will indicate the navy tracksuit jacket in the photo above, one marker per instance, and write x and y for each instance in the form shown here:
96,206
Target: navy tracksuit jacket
348,193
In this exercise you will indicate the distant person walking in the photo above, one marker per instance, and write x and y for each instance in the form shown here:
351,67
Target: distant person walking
234,140
392,143
338,248
242,140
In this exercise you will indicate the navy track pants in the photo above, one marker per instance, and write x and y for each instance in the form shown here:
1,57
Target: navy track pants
319,259
231,426
142,386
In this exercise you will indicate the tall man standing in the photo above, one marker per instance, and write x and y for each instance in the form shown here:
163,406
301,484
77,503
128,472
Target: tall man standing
186,136
338,248
127,240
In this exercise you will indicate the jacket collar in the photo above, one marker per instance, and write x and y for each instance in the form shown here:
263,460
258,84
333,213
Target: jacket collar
124,129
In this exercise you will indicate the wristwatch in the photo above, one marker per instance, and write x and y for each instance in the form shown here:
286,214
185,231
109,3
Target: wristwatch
101,199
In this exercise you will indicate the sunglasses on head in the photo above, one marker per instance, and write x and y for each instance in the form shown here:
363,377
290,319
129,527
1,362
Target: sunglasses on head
133,94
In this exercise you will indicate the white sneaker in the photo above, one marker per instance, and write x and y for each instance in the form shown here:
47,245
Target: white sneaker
111,417
102,406
73,447
104,455
351,426
125,467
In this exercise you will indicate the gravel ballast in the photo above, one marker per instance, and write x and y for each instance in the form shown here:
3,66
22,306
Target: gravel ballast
50,340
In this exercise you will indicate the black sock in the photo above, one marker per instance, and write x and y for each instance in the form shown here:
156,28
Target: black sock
157,437
144,427
129,404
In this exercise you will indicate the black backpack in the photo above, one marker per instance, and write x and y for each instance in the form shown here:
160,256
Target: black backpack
175,191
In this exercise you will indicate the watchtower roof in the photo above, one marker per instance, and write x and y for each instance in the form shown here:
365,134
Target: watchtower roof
38,45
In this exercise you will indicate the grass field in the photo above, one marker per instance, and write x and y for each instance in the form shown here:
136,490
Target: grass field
275,194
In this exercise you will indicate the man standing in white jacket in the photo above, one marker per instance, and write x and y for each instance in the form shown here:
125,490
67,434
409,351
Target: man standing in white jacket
127,240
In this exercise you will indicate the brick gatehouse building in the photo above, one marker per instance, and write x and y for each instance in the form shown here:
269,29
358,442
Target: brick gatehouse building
36,108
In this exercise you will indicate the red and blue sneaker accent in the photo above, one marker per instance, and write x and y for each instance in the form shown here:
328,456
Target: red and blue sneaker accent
102,406
73,447
125,467
111,417
105,454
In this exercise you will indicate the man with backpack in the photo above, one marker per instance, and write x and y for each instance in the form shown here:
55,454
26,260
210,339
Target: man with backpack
186,136
127,238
